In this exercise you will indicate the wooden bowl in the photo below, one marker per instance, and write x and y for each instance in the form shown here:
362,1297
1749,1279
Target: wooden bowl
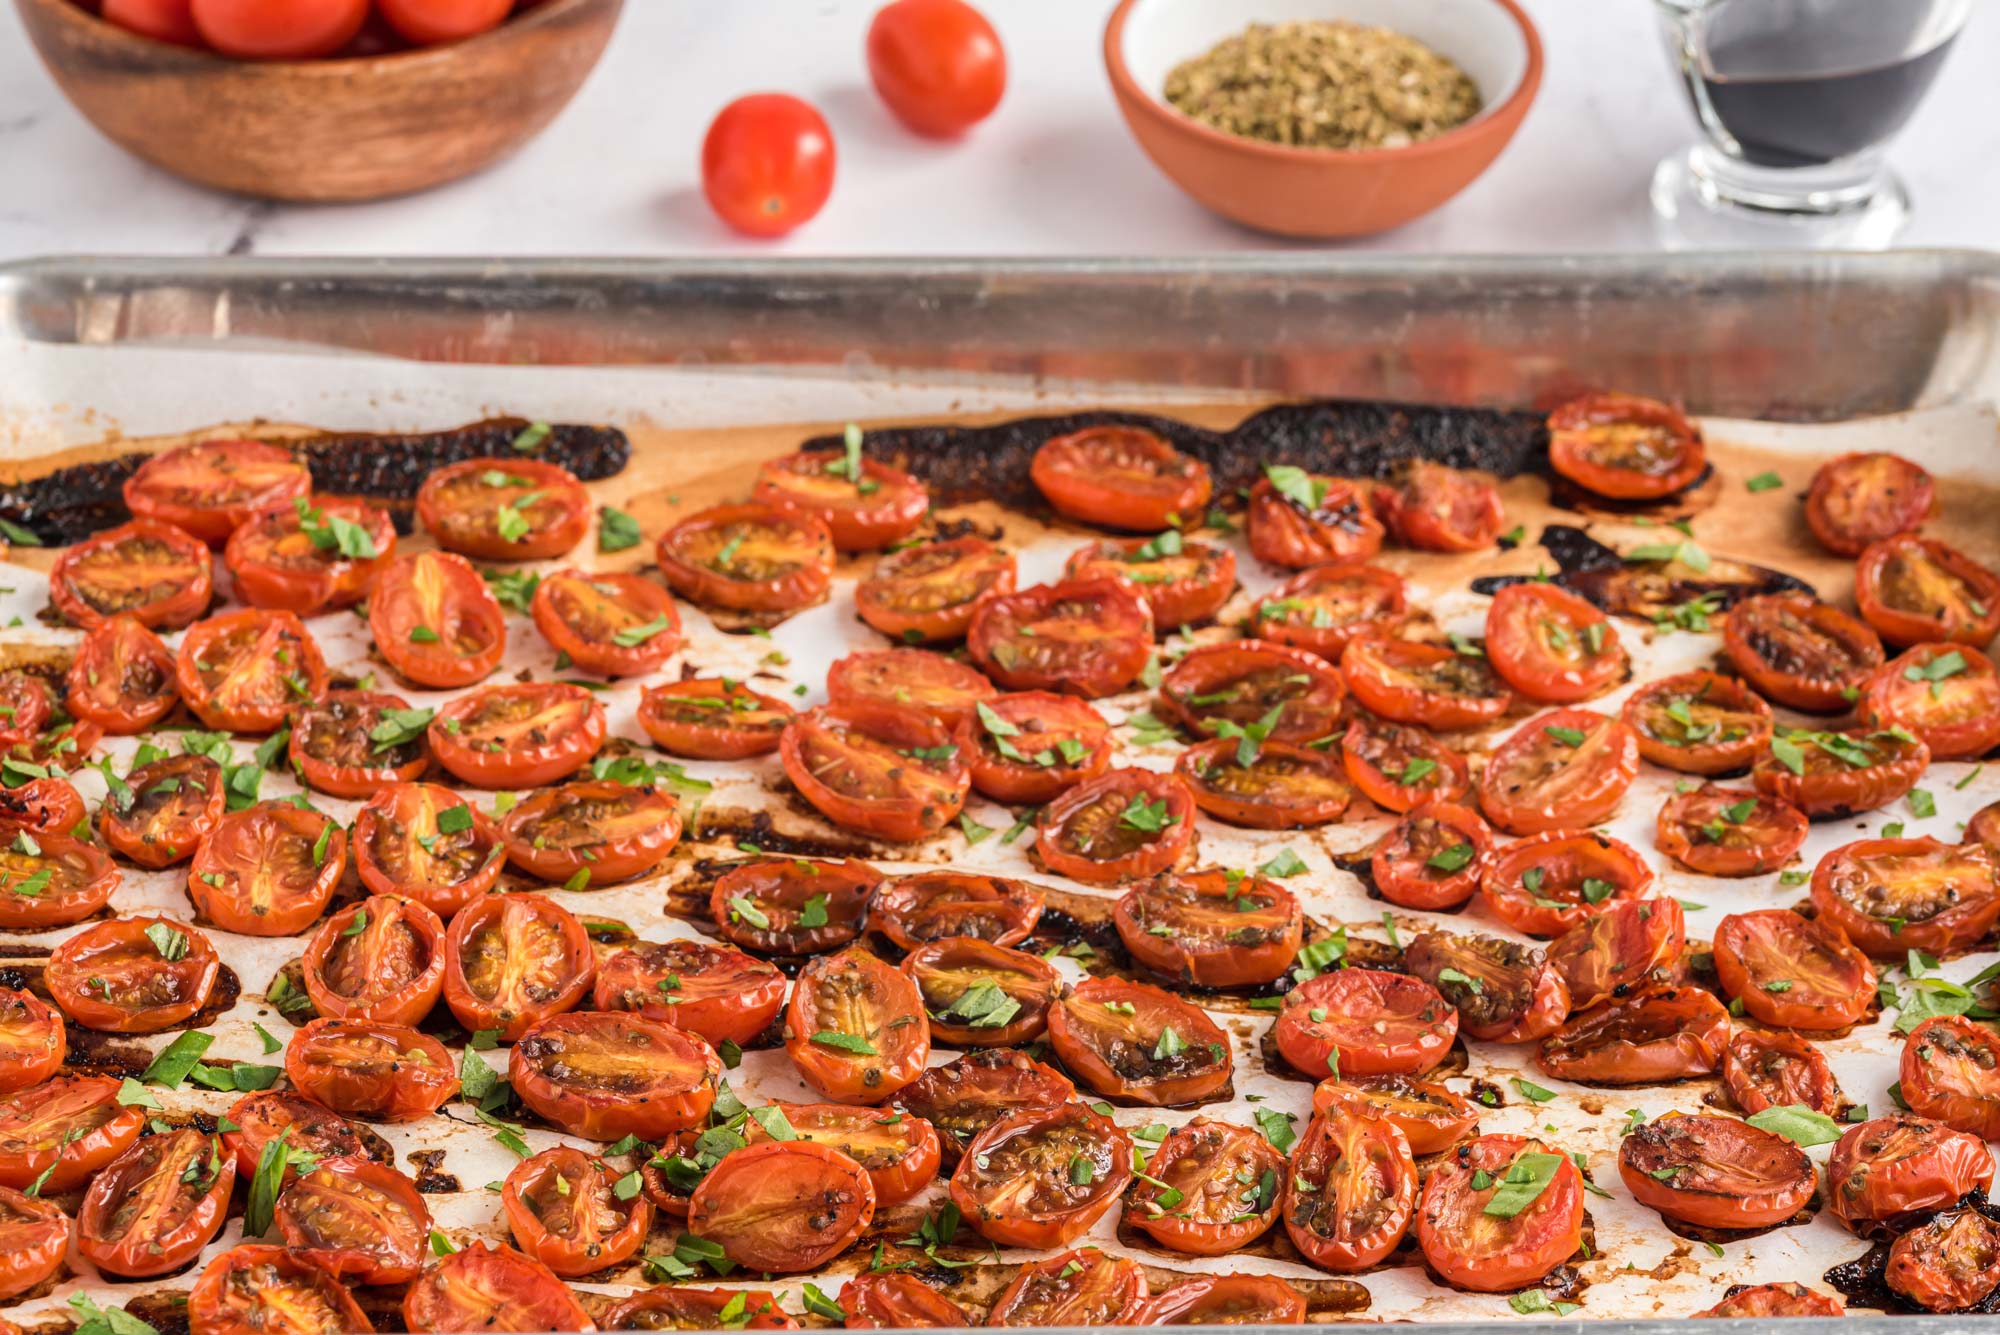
1318,192
325,130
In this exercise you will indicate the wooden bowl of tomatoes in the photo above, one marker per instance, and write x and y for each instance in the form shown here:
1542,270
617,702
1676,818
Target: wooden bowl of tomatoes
320,100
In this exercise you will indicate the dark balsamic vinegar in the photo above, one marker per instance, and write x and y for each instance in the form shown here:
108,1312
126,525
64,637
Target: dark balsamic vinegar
1776,97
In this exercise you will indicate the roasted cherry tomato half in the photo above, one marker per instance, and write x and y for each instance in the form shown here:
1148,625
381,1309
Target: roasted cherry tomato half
1562,770
1029,746
1432,858
1548,644
1916,590
963,1097
1017,1183
877,769
982,995
856,1028
153,1208
381,1072
307,558
718,994
710,718
44,806
1946,694
320,1133
26,702
159,575
1793,972
1798,651
1892,896
1839,773
1084,1287
437,623
1282,787
1207,1300
591,832
1859,499
1474,1248
1185,581
614,625
254,1288
1364,1022
132,975
1139,1043
123,678
423,842
1120,476
926,593
1546,885
36,1235
750,558
765,905
1626,946
1438,509
381,960
51,880
1728,831
675,1307
604,1075
1983,830
1431,1117
514,960
1410,681
1948,1074
879,506
356,743
899,1154
1698,723
1290,694
359,1219
61,1133
1892,1168
1120,826
480,1287
1350,1192
211,487
1503,992
504,509
249,671
1626,448
1321,609
1399,768
1715,1172
1646,1039
518,735
1768,1068
783,1207
1781,1299
1297,520
894,1300
1948,1262
928,906
32,1041
562,1211
1087,637
935,686
1211,928
268,870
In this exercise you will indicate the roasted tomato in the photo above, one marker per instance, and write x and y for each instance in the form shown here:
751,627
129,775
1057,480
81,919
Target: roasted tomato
1794,972
1799,651
254,1288
1728,831
1698,723
123,678
355,743
1499,1213
893,1300
1431,1117
965,1096
1504,992
1629,945
1625,447
212,486
1411,681
605,1075
1018,1182
154,1207
53,752
1211,928
718,994
44,806
562,1211
783,1207
1946,1263
1840,773
1948,1075
1432,858
1399,768
1983,830
788,906
1028,747
1121,476
1349,1196
176,803
1210,1300
359,1219
1438,509
1087,637
856,1028
1185,581
60,1133
514,960
710,718
1140,1043
1892,896
481,1287
518,735
1562,770
1364,1022
1278,787
132,975
1548,644
982,995
381,1072
51,880
748,558
1120,826
1290,694
614,625
1209,1188
1648,1038
433,618
674,1307
268,870
910,910
877,769
1948,695
1547,885
591,832
900,1154
1320,610
1715,1172
1084,1287
504,509
1781,1299
248,671
26,703
926,593
1766,1068
1859,499
1297,520
32,1041
307,558
423,842
1916,590
381,960
36,1235
317,1132
159,575
935,686
1889,1169
864,503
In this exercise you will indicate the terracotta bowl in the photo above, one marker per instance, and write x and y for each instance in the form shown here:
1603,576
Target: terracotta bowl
1314,192
350,129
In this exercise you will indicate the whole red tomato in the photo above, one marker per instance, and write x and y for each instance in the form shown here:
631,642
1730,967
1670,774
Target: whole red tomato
279,29
767,163
937,63
162,20
428,22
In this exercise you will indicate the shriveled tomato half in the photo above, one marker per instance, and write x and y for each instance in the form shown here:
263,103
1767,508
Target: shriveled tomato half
1480,1228
253,1287
783,1207
1715,1172
1029,746
159,575
1840,773
381,1072
132,975
591,832
51,880
317,1131
965,1096
1282,787
1892,896
1946,694
36,1235
711,718
895,1300
1435,508
938,687
1120,476
1548,644
1414,681
520,735
504,509
1140,1043
44,806
1321,609
1625,447
424,842
153,1208
1916,590
856,1028
32,1042
1018,1183
1084,1287
1351,1190
1433,858
1120,826
1211,928
247,671
1290,694
1209,1188
615,625
1088,637
1698,722
1798,651
268,870
1795,972
1890,1168
1948,1262
1399,768
1948,1073
899,1154
1626,946
1504,992
603,1075
927,906
1784,1298
482,1287
123,678
925,594
1648,1038
748,558
62,1132
1983,830
437,623
26,702
878,769
514,960
1431,1117
358,1219
789,906
307,557
1561,770
1297,520
1773,1068
381,959
718,994
1185,581
1364,1022
212,486
1728,831
864,503
1207,1300
1548,884
677,1307
562,1210
355,743
1859,499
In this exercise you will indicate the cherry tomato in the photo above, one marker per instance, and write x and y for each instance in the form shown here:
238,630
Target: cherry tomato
1781,1299
268,870
122,679
1210,1188
248,671
1559,771
1323,608
1120,826
911,910
153,1208
1983,830
711,718
1698,722
355,743
1947,1074
1896,1166
1348,1198
1432,858
504,509
1310,521
937,63
1648,1038
157,574
783,1207
28,702
1017,1183
1118,476
856,1028
767,163
562,1211
430,22
1292,694
614,625
1728,831
1140,1043
480,1287
882,506
1764,1068
35,1234
673,1307
899,1154
1948,695
43,806
1431,1117
61,1133
380,960
1030,746
1892,896
382,1072
1860,499
1283,787
253,1288
1407,681
1084,1287
878,769
512,961
1794,972
1472,1248
1621,949
1089,637
32,1041
927,593
933,685
62,881
749,558
1208,1300
434,619
1548,884
1948,1262
895,1300
604,1075
520,735
358,1219
1799,651
1548,644
1715,1172
1916,590
1364,1022
1438,509
763,905
318,1132
1185,581
1839,773
1211,928
1399,768
410,841
964,1097
132,975
1503,992
1625,447
161,20
718,994
211,487
597,830
307,558
49,754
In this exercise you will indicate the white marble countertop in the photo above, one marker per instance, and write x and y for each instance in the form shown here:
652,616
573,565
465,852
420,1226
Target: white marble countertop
1053,172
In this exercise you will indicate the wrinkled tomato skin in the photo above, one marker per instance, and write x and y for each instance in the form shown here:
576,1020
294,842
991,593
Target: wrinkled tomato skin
1043,721
253,1288
1284,787
793,554
1958,718
581,1243
1791,971
1343,1166
1795,650
716,731
482,1287
38,1122
535,756
824,753
1301,611
88,880
441,593
1781,1299
1536,782
1122,477
32,1040
1574,858
262,1117
1429,685
1537,638
1859,499
1627,946
1356,1036
1431,1117
1673,745
1949,1074
383,1221
889,510
1370,750
1949,596
928,906
165,993
344,1065
560,833
326,736
380,960
850,981
779,889
1646,1039
1183,589
1833,788
498,924
1217,1169
274,639
1211,928
671,1090
245,476
464,522
273,563
1255,677
1764,1068
938,687
37,1236
1117,1059
1965,903
893,1300
1071,828
900,1162
1948,1262
1508,1256
1693,831
1401,865
926,594
43,806
723,996
1715,1172
1087,637
677,1307
179,596
137,1222
1516,996
1666,454
1022,1147
1286,534
1206,1300
821,1195
226,879
123,679
968,1094
566,611
393,815
1434,508
1084,1287
1893,1167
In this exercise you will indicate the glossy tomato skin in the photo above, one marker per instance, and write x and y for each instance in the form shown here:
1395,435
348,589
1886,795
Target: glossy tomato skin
210,487
43,806
1793,972
431,22
514,960
1288,533
935,686
1544,886
1765,1068
1431,1117
1117,476
1364,1022
1399,768
123,679
897,1301
1464,1244
32,1041
1628,945
926,594
562,1211
1111,1034
253,1287
1243,681
1203,1300
1798,651
1185,581
1956,715
1828,783
937,63
900,1154
332,747
153,1208
1625,447
929,906
1725,727
1087,637
1514,996
275,561
28,702
1950,1261
268,870
715,993
519,735
247,671
1123,825
1013,1183
783,1207
965,1096
1322,608
1284,787
584,614
63,1131
444,874
836,994
1715,1172
161,20
1645,1039
1781,1299
358,1219
748,558
758,905
1019,749
1891,896
767,163
1696,829
504,509
1428,685
37,1237
381,960
884,505
1915,590
382,1072
158,574
1891,1168
1433,857
289,30
604,1076
1548,644
1211,928
599,829
1860,499
1435,508
437,623
481,1287
1084,1287
1561,770
711,719
857,765
1228,1178
1351,1191
113,978
1947,1074
75,879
